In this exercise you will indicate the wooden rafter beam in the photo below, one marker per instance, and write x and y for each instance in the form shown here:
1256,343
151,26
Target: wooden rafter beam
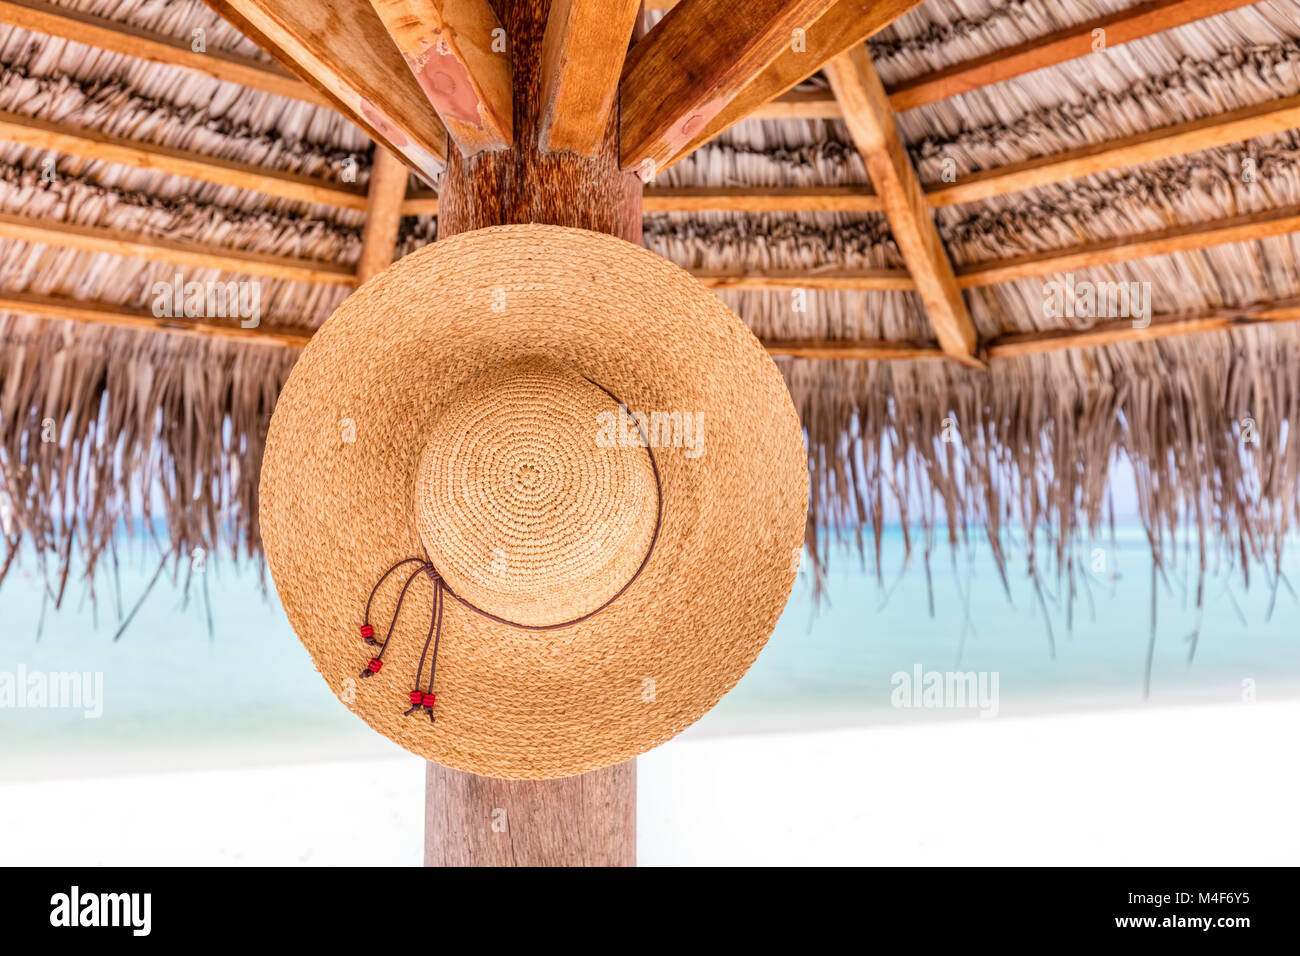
1183,238
1162,143
1020,344
1165,142
457,52
95,313
582,58
65,23
1161,327
378,244
94,145
693,64
799,105
342,48
865,280
843,24
388,179
196,255
423,202
1056,48
848,199
875,133
853,350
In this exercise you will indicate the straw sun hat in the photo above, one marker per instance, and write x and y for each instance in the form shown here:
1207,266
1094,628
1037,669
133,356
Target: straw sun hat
533,499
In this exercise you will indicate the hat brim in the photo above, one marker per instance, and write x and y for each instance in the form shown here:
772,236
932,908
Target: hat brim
338,481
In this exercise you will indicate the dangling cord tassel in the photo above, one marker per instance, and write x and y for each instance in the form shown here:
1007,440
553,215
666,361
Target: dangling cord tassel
377,662
367,630
418,698
430,697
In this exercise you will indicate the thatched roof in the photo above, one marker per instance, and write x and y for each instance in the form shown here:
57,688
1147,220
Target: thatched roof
149,419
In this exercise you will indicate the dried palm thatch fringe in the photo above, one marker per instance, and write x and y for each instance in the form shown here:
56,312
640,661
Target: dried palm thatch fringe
101,426
807,241
804,242
757,156
153,425
1036,443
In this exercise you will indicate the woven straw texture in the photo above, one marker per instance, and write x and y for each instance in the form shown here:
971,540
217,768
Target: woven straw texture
519,505
448,404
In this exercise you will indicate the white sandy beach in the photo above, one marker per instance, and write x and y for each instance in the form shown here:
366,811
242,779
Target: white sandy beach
1204,785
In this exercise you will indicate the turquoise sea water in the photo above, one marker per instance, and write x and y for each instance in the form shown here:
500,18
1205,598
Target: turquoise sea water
170,689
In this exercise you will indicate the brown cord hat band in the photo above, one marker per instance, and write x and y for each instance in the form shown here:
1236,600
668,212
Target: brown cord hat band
426,699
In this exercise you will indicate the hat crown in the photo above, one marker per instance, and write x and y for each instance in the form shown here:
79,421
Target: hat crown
524,506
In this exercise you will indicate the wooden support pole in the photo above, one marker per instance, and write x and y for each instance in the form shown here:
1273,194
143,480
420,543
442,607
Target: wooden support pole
589,819
527,184
383,214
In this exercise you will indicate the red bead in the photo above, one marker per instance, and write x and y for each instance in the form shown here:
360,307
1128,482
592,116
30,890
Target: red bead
428,699
367,631
374,665
416,697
